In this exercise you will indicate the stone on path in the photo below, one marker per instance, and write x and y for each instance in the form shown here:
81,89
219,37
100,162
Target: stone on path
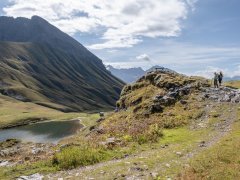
36,176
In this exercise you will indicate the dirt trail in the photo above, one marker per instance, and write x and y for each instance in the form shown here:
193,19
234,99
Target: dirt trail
145,165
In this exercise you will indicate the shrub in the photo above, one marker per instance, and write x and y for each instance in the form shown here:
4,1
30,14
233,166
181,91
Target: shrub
141,139
127,138
152,135
72,157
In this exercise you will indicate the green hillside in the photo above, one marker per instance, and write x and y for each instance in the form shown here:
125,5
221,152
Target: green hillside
47,76
41,64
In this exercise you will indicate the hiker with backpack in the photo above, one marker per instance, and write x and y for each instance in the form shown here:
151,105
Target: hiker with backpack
215,80
220,78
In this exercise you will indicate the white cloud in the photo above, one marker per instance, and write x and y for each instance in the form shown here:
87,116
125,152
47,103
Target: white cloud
192,3
208,72
143,57
124,22
187,58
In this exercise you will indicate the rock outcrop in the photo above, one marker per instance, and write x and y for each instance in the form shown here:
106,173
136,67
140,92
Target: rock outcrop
158,89
222,94
160,100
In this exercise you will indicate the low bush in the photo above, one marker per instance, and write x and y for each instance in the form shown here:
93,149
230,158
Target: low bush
72,157
151,136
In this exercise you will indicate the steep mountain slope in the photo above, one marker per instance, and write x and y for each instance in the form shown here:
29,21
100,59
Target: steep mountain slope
130,75
40,63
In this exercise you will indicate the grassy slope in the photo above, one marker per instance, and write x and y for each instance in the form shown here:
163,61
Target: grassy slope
47,75
14,112
235,84
222,161
164,162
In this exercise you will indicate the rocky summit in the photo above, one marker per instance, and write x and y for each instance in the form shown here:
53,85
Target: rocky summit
158,89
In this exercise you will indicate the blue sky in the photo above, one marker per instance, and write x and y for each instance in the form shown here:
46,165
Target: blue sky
189,36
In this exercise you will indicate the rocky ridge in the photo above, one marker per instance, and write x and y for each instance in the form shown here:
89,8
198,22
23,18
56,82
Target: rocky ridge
168,88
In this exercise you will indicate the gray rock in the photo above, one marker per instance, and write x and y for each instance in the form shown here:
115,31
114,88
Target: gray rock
202,144
154,174
168,165
236,99
36,176
223,94
155,108
183,102
179,153
4,163
37,150
111,141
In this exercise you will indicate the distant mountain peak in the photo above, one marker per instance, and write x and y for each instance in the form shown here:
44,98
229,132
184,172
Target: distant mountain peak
38,18
130,75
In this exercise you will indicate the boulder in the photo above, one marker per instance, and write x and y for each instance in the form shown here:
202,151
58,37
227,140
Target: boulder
100,119
137,101
150,77
184,90
36,176
157,98
167,100
156,108
183,102
110,142
4,163
37,150
236,99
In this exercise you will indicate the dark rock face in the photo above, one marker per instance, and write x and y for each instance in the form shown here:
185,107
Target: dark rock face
37,57
169,99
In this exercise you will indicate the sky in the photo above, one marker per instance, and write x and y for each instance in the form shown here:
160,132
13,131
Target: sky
195,37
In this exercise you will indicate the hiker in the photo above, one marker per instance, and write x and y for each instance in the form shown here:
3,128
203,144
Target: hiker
215,80
220,78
